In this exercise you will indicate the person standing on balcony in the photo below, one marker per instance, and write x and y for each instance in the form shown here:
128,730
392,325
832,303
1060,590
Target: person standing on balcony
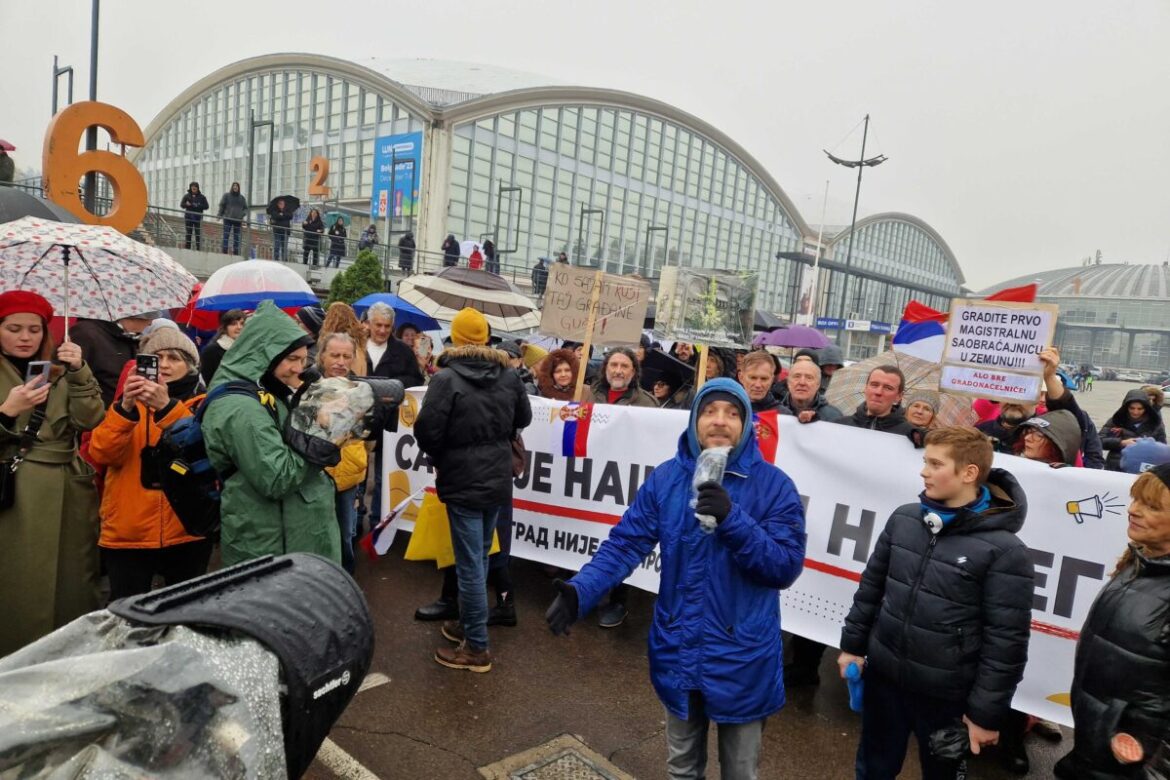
492,260
233,210
193,204
406,253
313,228
475,259
336,243
451,251
280,217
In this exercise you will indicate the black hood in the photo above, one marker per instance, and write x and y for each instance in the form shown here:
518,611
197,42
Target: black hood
1121,418
1009,506
479,365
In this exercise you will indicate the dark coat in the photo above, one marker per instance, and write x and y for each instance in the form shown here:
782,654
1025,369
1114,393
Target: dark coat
313,230
820,406
539,278
193,205
472,409
398,362
337,239
450,251
949,615
406,251
233,206
106,349
1120,427
1121,681
210,358
281,218
894,422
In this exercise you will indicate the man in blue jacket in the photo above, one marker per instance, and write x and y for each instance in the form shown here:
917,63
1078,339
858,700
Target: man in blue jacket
715,652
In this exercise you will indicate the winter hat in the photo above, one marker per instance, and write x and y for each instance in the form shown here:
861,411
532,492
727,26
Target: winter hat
469,327
1144,455
533,355
512,348
644,342
1162,473
157,324
924,397
170,338
832,356
811,354
312,318
25,302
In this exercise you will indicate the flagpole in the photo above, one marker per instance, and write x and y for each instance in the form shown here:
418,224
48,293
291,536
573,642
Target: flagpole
816,273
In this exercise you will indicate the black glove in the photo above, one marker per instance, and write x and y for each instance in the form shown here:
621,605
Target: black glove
563,612
713,501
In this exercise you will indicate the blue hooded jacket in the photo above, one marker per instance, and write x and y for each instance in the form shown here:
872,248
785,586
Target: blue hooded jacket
716,623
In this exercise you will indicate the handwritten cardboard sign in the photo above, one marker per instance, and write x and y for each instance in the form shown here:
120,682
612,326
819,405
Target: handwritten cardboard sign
620,309
992,349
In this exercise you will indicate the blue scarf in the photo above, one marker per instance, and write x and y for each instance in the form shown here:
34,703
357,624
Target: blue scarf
945,513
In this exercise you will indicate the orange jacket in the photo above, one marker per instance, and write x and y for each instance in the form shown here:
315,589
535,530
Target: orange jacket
134,517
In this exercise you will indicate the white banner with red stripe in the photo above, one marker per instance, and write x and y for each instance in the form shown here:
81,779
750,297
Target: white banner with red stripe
851,480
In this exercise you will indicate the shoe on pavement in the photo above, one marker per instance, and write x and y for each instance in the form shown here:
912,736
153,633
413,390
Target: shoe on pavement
504,612
453,630
612,615
800,676
464,657
438,610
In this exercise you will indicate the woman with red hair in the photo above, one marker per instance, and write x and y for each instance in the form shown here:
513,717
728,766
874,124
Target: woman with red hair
48,503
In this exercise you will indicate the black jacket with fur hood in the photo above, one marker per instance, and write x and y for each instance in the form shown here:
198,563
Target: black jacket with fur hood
472,409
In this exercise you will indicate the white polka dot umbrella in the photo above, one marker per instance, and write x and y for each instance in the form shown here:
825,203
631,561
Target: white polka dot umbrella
89,271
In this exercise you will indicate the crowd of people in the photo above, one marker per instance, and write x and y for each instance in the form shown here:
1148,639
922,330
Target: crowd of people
80,493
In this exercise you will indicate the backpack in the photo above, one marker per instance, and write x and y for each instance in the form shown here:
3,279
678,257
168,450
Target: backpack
190,483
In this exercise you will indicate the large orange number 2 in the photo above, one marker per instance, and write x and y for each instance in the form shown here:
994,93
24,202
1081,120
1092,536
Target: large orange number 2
319,168
64,166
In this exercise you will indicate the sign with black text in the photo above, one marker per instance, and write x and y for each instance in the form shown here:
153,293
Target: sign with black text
993,348
621,306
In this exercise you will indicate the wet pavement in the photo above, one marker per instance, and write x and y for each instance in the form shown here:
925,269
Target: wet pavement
428,721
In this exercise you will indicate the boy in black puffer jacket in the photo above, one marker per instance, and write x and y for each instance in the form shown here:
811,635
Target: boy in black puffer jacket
941,620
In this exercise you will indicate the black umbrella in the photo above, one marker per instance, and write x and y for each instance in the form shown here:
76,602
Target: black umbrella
767,321
291,202
658,364
16,203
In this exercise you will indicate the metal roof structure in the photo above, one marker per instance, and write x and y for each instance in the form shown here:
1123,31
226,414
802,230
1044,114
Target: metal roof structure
1110,280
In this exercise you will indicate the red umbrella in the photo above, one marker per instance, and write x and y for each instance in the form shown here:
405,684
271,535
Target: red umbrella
6,147
200,319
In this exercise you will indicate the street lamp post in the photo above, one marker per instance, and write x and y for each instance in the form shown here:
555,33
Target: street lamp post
252,125
860,164
91,131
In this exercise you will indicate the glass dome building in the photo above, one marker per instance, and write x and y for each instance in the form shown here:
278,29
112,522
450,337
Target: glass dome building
615,180
1111,315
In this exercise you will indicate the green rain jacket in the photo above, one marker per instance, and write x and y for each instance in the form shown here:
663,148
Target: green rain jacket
275,502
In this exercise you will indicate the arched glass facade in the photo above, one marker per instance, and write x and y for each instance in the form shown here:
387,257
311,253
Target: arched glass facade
618,189
312,113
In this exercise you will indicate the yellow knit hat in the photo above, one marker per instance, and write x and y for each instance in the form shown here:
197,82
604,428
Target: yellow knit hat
469,327
533,355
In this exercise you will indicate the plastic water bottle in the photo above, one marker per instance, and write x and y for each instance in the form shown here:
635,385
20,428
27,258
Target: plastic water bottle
856,686
709,467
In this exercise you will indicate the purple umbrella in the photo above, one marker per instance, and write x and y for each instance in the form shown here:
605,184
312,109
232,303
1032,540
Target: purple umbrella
794,336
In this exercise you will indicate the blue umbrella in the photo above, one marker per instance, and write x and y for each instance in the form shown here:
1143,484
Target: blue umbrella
404,311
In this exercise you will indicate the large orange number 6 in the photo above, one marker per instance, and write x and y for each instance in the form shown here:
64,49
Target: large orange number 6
64,166
319,167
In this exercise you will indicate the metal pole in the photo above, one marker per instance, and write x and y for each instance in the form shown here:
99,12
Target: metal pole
816,272
251,155
91,131
56,72
852,225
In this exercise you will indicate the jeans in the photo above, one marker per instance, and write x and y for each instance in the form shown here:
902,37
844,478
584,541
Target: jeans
686,745
347,520
471,536
279,243
131,570
311,249
231,227
888,716
334,260
194,228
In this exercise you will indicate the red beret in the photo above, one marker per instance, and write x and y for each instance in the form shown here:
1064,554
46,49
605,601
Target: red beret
25,302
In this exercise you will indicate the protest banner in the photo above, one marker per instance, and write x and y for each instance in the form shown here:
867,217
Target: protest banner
701,306
564,507
992,349
620,310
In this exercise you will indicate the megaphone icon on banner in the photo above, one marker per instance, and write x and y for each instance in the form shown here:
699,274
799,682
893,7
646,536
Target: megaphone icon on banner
1093,506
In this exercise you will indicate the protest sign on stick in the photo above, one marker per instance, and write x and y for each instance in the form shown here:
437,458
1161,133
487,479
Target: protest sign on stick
993,348
618,310
701,306
590,324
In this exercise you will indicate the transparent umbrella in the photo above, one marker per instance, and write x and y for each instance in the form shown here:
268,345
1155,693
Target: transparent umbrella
847,389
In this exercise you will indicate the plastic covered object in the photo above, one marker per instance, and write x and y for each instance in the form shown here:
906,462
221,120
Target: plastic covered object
709,467
335,409
951,741
102,698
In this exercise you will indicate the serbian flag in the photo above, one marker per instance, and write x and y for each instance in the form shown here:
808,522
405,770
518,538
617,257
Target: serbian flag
767,425
922,331
378,540
575,435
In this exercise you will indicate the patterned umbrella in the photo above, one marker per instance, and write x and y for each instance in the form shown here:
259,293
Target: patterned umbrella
244,284
847,388
88,270
443,295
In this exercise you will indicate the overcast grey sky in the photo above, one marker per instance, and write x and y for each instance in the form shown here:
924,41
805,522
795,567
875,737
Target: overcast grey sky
1029,134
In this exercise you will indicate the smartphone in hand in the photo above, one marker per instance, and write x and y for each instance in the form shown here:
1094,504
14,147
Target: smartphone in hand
38,369
147,367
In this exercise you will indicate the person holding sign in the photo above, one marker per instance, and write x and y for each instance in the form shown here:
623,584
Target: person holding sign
941,620
1121,686
715,647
